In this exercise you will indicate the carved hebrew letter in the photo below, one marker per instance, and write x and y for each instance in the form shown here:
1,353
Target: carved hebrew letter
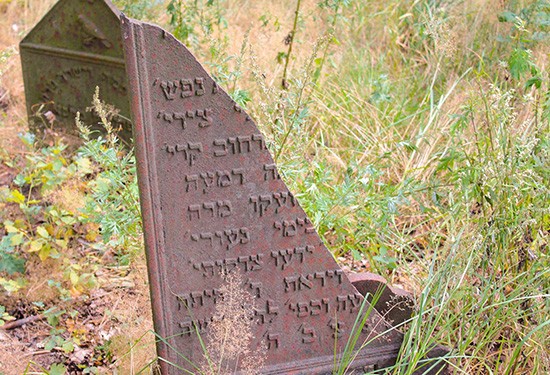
309,334
244,144
238,172
260,139
191,179
256,262
272,341
194,150
169,88
199,82
209,206
224,178
181,117
186,88
234,145
194,208
208,180
186,328
224,208
220,143
244,234
270,172
232,236
206,115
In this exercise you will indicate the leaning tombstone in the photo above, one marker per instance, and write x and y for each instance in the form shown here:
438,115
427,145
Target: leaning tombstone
213,201
75,47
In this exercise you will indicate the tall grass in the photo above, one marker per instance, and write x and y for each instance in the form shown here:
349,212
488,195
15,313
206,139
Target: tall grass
416,136
424,148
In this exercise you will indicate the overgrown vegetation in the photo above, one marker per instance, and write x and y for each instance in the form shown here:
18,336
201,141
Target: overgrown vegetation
415,135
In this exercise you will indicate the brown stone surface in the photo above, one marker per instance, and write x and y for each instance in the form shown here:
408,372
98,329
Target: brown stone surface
394,304
212,201
75,47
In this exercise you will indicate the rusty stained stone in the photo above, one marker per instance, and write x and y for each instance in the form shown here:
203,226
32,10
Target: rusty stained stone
394,304
75,47
212,200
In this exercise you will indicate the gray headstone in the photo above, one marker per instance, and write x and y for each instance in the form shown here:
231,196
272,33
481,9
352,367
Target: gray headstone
75,47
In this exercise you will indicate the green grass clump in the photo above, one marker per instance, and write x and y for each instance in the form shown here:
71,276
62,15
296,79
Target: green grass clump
424,147
416,136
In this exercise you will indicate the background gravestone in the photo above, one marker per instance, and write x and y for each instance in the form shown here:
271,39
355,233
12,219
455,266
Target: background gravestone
212,200
75,47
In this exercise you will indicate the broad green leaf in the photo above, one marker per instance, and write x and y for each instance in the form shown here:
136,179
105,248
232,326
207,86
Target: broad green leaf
12,286
68,347
11,264
61,243
84,165
534,81
17,239
69,220
57,369
57,165
51,343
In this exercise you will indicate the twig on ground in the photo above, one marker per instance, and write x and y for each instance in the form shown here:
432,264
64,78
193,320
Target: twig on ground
20,322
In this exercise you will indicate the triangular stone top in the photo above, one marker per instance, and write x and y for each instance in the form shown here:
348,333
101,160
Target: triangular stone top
75,48
212,200
90,26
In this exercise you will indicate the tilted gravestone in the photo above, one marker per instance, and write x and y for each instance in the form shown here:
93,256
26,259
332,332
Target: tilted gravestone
75,47
212,200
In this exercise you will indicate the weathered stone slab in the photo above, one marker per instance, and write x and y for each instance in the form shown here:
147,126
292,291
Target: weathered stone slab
212,200
75,47
394,304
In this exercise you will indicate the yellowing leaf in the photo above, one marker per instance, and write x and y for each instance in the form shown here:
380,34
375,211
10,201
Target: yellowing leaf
42,232
12,285
44,253
11,229
74,277
17,239
61,243
16,197
91,236
75,292
35,246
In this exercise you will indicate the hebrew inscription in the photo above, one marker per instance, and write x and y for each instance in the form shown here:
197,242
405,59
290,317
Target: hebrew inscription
213,202
75,47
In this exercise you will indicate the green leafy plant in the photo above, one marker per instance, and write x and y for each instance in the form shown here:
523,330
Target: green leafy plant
58,339
10,261
4,316
193,22
139,9
113,202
